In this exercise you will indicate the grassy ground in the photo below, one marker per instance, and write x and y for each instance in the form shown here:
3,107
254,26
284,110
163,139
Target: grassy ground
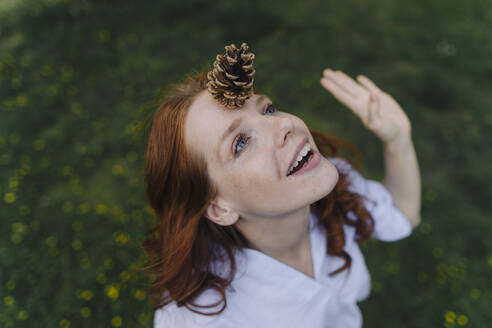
74,75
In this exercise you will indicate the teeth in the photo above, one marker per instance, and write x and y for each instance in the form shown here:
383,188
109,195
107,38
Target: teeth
302,153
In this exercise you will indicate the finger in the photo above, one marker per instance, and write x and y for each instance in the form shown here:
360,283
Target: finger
338,92
344,81
373,111
349,82
369,84
370,114
377,104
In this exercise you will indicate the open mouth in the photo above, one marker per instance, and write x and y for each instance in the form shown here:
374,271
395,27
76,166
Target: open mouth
305,159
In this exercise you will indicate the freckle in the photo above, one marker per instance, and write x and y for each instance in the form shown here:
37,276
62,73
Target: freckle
236,182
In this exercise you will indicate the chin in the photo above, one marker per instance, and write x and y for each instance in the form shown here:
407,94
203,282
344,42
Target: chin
332,179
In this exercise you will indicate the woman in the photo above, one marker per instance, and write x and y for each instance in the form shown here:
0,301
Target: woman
258,217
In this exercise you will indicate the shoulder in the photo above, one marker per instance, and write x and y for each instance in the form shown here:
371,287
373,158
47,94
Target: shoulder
169,316
390,223
174,316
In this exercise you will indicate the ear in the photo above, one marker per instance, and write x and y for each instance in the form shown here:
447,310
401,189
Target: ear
221,214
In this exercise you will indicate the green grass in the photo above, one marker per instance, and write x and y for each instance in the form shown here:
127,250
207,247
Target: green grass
74,76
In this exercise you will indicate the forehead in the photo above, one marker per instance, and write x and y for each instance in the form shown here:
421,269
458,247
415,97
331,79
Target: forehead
207,120
205,102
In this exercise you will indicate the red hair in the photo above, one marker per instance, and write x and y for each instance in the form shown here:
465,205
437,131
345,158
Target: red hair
183,243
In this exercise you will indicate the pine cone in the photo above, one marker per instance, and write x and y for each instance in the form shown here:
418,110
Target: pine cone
231,79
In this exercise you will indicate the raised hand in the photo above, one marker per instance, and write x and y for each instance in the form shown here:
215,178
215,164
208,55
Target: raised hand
379,112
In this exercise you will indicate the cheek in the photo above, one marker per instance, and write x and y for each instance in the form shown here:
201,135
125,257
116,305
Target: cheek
247,186
249,183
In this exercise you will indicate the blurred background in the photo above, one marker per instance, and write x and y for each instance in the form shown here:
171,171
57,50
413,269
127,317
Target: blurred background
75,74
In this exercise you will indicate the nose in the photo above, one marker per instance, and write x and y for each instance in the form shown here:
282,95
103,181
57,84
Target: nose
283,126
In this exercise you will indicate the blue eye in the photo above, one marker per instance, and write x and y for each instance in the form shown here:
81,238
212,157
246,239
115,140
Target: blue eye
242,137
271,106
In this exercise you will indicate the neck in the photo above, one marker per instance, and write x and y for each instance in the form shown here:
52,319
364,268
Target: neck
285,238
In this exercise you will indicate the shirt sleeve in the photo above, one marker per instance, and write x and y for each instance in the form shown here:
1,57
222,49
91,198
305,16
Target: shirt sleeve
172,316
163,319
390,223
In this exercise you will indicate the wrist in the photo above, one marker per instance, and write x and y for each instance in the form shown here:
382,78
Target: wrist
398,144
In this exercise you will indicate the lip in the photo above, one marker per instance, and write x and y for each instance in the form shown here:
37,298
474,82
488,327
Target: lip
313,162
298,149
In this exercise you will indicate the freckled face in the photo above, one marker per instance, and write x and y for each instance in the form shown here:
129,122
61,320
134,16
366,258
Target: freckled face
253,181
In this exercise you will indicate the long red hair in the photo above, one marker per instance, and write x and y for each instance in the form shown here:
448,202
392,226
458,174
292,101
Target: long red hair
183,242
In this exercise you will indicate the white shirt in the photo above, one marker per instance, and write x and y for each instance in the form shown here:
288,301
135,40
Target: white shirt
268,293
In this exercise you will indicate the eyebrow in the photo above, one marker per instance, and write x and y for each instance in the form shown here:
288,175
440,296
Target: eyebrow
235,124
